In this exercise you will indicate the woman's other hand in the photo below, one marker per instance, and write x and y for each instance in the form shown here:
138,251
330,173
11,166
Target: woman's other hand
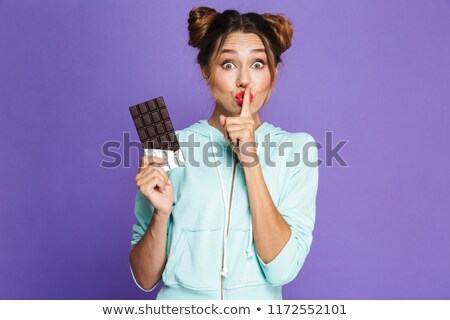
155,185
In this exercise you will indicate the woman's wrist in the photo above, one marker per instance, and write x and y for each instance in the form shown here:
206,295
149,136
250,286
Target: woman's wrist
161,215
251,167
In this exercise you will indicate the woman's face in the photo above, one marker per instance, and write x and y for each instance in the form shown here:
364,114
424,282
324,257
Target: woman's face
241,61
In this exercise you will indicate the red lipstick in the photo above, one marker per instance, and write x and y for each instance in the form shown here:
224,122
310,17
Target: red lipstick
240,97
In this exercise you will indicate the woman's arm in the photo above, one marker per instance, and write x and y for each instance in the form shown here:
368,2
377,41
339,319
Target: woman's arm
281,261
283,234
270,231
148,256
153,208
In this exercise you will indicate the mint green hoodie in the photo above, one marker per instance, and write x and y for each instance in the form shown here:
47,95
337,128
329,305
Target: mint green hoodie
207,260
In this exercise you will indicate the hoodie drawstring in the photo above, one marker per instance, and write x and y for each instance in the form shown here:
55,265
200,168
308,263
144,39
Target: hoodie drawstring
248,250
250,235
225,202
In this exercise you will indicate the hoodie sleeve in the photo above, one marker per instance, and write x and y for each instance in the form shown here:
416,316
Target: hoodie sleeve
143,211
297,205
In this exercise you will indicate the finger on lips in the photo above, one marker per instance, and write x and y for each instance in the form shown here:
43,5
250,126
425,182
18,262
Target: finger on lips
245,111
232,124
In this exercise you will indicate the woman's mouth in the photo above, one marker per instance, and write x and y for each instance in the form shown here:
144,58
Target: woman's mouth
240,98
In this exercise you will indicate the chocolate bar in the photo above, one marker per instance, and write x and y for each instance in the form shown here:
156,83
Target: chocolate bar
156,131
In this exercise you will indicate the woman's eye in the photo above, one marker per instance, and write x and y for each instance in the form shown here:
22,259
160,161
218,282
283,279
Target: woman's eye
258,65
228,65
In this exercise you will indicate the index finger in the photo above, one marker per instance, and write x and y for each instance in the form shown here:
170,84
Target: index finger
245,111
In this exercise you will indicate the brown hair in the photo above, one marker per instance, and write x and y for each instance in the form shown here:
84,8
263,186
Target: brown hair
209,28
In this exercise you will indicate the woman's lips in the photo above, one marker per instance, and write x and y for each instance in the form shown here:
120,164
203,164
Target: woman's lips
240,97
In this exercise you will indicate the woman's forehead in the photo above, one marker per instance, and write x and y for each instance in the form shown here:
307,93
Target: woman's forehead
239,41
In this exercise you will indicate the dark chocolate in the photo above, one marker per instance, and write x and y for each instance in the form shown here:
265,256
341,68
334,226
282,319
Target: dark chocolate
154,125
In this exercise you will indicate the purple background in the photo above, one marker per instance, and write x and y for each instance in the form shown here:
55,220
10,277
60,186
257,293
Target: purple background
375,73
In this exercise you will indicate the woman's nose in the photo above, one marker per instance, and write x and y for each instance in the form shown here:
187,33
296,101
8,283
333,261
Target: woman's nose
243,79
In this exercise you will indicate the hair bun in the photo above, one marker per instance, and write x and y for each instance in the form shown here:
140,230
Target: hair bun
199,20
282,28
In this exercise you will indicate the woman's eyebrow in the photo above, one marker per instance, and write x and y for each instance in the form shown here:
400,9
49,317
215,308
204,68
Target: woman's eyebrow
235,52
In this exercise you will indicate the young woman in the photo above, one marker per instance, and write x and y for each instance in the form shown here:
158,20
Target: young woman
236,221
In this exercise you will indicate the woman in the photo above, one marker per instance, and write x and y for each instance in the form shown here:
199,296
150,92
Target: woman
236,222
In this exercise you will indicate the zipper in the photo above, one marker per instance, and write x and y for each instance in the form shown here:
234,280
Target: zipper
222,278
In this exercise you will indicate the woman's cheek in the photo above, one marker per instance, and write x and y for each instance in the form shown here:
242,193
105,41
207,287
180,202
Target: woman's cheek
261,79
224,81
264,83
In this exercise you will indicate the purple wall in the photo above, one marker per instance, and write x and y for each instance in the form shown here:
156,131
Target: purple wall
375,73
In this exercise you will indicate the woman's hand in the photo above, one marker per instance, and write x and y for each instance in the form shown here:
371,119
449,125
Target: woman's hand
155,185
241,132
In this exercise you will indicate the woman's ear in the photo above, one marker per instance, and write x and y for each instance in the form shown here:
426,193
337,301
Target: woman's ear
205,73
